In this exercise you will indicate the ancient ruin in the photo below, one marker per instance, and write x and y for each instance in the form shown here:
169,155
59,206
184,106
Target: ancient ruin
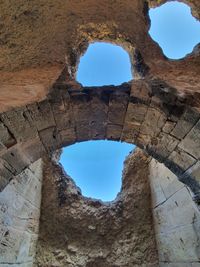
45,221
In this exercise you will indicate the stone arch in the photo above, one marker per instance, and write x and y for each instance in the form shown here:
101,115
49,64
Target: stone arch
149,114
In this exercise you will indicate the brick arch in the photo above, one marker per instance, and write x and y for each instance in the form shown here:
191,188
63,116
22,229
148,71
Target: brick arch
146,113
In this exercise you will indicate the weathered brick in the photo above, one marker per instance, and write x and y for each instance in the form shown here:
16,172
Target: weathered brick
153,122
191,143
114,132
50,138
19,124
117,108
185,123
15,157
6,138
68,136
136,113
181,159
169,126
41,115
165,145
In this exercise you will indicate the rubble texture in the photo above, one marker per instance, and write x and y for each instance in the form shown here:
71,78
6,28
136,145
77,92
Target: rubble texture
79,231
43,108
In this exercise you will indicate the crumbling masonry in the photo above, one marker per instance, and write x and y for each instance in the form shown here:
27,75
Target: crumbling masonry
155,220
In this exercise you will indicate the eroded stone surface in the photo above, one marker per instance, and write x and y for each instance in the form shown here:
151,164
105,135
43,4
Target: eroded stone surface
41,38
78,231
19,217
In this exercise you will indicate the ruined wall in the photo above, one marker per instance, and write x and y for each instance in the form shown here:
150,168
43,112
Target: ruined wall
19,217
176,218
78,231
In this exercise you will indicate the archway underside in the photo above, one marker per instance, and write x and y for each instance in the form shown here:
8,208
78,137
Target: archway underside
148,114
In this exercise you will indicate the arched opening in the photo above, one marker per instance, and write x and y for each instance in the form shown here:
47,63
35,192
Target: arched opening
104,64
96,167
175,29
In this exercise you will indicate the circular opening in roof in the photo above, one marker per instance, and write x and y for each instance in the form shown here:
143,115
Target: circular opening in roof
175,29
104,64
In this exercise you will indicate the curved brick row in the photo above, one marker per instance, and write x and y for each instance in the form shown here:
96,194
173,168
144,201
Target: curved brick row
148,114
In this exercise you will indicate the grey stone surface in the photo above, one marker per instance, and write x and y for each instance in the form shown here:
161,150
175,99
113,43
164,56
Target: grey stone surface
191,143
19,217
176,217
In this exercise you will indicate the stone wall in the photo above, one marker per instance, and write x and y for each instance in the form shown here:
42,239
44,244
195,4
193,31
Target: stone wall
79,231
176,218
19,217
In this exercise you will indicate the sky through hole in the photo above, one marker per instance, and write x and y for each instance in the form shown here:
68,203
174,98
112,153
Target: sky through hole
96,166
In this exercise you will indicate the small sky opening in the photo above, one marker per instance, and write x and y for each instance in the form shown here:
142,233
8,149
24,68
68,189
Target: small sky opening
96,167
175,29
104,64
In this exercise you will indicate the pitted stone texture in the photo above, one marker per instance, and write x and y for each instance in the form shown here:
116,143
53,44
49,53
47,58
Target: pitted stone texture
89,232
31,60
19,217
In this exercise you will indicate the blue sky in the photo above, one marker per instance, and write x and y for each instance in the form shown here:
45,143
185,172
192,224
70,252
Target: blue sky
104,64
96,166
175,29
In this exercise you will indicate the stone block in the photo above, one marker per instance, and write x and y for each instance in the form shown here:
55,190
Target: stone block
15,157
178,245
6,170
68,136
196,264
63,111
166,144
28,186
191,143
185,123
3,183
83,131
33,149
114,132
37,169
194,172
175,264
26,264
182,159
157,194
130,133
140,92
51,139
164,183
19,124
6,138
168,127
15,246
176,211
136,113
81,110
41,115
153,122
117,108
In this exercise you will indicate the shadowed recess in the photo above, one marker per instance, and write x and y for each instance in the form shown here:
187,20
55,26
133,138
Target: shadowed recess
96,167
175,29
104,64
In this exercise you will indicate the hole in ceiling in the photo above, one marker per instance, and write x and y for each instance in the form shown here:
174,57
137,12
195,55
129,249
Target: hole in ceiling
175,29
96,167
104,64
